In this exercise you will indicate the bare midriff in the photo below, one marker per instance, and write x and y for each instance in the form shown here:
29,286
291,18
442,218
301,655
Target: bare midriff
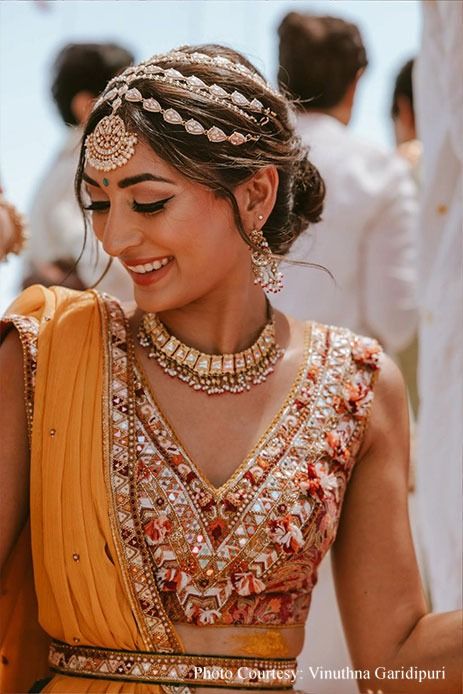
247,641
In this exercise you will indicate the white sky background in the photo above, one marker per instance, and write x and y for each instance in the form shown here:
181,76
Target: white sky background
30,37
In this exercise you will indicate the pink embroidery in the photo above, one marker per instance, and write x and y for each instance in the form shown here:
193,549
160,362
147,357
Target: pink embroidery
156,530
173,579
337,442
247,584
287,534
366,351
248,553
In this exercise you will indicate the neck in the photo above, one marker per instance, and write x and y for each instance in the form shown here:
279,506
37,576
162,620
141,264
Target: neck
221,323
340,112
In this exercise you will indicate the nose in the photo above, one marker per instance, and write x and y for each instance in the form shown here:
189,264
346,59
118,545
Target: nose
119,233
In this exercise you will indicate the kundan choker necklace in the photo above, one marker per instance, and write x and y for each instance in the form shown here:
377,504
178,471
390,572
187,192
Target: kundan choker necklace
212,373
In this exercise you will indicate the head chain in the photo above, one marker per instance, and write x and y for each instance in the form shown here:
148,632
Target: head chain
149,69
180,56
111,145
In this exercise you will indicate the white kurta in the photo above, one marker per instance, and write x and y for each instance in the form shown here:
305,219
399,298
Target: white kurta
57,228
439,107
366,239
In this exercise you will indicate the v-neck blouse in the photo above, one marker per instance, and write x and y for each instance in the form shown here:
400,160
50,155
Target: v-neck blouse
143,383
246,553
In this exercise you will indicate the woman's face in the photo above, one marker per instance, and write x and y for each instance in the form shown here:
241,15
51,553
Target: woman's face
176,238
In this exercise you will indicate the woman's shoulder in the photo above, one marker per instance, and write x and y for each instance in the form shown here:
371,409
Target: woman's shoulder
44,305
37,312
363,350
37,299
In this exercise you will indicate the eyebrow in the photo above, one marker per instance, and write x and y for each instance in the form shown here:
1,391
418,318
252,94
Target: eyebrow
131,180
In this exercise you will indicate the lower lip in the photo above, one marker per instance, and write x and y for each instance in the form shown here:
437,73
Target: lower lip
149,278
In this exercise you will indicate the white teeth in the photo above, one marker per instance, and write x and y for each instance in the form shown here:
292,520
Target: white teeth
148,267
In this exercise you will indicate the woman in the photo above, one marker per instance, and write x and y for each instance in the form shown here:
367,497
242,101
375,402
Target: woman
186,560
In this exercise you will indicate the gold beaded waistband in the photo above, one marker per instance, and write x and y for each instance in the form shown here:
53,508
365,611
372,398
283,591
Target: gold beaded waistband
235,672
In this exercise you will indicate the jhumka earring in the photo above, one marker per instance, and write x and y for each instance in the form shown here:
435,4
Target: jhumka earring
264,264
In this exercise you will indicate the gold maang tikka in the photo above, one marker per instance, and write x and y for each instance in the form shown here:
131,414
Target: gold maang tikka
110,145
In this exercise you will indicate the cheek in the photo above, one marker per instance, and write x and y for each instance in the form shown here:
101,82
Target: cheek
96,223
207,237
208,251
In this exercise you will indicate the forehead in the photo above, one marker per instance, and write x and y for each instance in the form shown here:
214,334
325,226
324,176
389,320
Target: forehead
143,160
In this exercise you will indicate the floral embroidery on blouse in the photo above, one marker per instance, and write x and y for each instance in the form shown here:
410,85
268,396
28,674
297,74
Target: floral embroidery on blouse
366,352
157,529
248,553
285,532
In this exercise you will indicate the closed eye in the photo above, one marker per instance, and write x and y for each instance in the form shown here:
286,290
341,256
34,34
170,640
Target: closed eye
97,206
144,208
150,207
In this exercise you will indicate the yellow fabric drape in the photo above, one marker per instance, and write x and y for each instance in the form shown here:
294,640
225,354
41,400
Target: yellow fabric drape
24,645
78,581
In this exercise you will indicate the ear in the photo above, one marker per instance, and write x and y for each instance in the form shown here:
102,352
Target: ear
256,196
405,111
81,106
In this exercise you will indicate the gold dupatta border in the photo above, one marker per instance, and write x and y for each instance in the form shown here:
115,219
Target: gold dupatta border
28,330
119,414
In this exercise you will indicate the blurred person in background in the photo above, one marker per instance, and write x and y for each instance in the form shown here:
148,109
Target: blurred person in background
439,116
365,239
403,118
81,71
12,228
410,148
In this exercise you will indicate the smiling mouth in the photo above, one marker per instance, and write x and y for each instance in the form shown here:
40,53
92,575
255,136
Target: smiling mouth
146,268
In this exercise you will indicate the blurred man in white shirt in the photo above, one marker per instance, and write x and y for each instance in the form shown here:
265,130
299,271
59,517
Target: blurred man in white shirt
367,236
81,71
366,240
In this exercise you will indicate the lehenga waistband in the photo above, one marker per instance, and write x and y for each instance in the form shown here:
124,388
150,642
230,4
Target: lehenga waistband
236,672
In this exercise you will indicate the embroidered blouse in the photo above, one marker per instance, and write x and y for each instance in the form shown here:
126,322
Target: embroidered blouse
246,553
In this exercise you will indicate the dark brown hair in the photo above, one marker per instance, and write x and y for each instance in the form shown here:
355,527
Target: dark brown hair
221,167
403,87
319,58
85,67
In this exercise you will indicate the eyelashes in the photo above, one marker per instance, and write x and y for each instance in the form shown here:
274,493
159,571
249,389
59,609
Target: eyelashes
97,206
147,208
150,207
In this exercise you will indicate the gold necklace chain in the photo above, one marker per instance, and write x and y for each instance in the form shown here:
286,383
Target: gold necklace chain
211,373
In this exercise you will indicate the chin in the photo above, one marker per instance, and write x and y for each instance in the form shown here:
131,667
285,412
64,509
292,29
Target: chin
172,290
149,302
152,300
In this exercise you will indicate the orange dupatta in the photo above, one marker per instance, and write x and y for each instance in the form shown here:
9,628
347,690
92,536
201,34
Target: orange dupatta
78,573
